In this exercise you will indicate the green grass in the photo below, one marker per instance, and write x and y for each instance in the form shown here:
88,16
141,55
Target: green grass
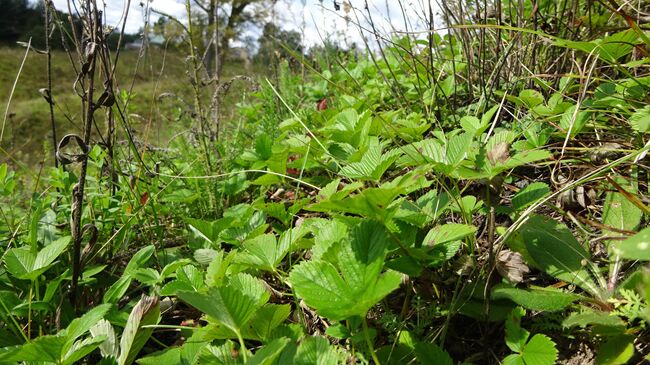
27,137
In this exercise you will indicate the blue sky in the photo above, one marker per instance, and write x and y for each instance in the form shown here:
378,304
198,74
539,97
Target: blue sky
312,18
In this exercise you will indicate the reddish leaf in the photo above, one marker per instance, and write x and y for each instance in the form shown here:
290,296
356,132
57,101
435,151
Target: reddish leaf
321,104
144,198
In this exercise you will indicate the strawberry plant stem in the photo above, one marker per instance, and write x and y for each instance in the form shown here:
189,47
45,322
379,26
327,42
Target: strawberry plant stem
371,348
242,346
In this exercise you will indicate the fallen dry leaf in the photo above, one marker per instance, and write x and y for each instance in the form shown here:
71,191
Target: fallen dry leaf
511,266
499,153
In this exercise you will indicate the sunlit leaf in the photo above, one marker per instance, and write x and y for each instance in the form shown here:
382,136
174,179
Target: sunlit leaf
146,312
81,349
540,299
616,350
619,212
232,305
22,263
551,247
516,336
636,247
529,195
373,164
609,48
315,351
226,354
640,120
540,350
269,354
266,319
109,347
448,233
357,284
83,324
606,321
573,120
262,252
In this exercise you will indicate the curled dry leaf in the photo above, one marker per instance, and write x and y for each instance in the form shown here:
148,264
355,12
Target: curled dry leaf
145,305
274,292
68,158
107,99
464,265
576,199
604,152
167,304
45,93
500,153
511,266
277,195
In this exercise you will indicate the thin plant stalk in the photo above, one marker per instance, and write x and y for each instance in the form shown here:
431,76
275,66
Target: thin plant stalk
49,100
13,89
78,190
371,347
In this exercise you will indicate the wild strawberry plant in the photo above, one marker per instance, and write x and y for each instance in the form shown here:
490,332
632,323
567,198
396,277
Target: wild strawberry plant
408,208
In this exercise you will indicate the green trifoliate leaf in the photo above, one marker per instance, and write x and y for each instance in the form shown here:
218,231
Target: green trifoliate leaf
188,278
540,350
357,284
263,252
232,305
226,354
513,359
640,120
315,351
373,163
24,264
265,320
269,354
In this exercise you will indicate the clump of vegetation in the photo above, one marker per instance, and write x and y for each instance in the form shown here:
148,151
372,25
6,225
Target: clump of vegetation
478,196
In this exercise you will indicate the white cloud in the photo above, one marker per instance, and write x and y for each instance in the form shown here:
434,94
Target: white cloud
314,19
318,20
114,10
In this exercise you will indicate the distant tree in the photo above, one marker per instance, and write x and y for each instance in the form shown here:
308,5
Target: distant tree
276,43
324,55
171,31
114,39
224,21
14,20
22,20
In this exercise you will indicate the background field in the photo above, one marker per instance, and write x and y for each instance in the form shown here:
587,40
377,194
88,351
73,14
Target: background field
154,119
